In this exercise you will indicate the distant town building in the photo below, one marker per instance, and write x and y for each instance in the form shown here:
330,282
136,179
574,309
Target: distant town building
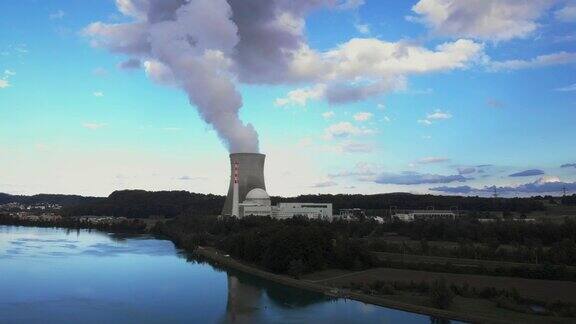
424,215
351,214
491,220
21,207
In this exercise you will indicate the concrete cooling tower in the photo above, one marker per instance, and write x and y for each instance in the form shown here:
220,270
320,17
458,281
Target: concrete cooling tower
246,173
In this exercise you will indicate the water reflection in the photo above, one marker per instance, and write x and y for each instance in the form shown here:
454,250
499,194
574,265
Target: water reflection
49,274
243,301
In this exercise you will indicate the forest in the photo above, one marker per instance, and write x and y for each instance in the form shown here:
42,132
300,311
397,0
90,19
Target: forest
294,246
300,245
140,203
62,200
143,204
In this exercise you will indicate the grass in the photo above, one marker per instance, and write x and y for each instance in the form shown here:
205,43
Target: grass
546,290
488,264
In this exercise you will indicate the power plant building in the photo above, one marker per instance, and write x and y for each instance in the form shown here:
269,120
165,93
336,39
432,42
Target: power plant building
246,173
424,215
257,203
247,194
309,210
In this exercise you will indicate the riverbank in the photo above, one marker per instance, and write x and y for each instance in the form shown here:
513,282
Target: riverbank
226,260
105,224
464,309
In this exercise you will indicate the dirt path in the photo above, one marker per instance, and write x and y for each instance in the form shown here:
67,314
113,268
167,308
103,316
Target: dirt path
227,261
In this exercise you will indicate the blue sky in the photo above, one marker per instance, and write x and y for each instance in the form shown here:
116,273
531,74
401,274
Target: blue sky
501,103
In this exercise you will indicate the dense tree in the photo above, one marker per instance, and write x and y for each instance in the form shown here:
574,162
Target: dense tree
141,204
441,296
62,200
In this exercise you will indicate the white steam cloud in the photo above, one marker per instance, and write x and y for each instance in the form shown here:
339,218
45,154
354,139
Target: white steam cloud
206,47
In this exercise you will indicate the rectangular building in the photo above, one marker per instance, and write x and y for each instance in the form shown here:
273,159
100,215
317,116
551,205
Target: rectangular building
309,210
424,215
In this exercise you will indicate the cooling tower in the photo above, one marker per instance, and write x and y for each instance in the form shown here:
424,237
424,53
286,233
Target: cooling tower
246,173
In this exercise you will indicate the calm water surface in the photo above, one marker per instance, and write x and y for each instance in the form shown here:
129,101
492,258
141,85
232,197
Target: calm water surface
63,276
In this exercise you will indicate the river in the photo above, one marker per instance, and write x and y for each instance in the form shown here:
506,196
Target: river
67,276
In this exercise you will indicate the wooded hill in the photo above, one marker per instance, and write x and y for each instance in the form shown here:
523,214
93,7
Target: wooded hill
62,200
140,203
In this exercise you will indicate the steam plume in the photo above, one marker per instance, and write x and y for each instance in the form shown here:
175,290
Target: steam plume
206,47
188,45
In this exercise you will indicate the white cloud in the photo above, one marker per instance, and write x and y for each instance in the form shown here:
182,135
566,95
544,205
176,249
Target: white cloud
9,73
438,115
435,116
328,114
350,4
300,97
356,147
432,160
57,15
564,38
415,178
374,58
361,169
93,126
100,71
495,20
345,129
566,14
363,116
189,178
494,103
98,94
546,184
539,61
42,147
305,142
4,84
571,87
362,28
325,184
367,67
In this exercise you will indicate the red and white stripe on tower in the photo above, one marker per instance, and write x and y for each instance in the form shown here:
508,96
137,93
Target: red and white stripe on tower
235,193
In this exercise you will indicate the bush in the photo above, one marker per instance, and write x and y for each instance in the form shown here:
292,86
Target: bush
440,294
296,268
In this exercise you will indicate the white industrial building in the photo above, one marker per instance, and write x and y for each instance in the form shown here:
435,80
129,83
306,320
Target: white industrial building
424,215
309,210
257,203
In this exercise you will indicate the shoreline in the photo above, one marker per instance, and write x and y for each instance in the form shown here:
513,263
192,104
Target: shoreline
224,259
216,256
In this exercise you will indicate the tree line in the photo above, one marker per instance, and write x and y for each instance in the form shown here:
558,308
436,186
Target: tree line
498,232
143,204
62,200
140,203
294,246
126,226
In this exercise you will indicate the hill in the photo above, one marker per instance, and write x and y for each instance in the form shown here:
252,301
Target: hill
62,200
411,201
140,203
